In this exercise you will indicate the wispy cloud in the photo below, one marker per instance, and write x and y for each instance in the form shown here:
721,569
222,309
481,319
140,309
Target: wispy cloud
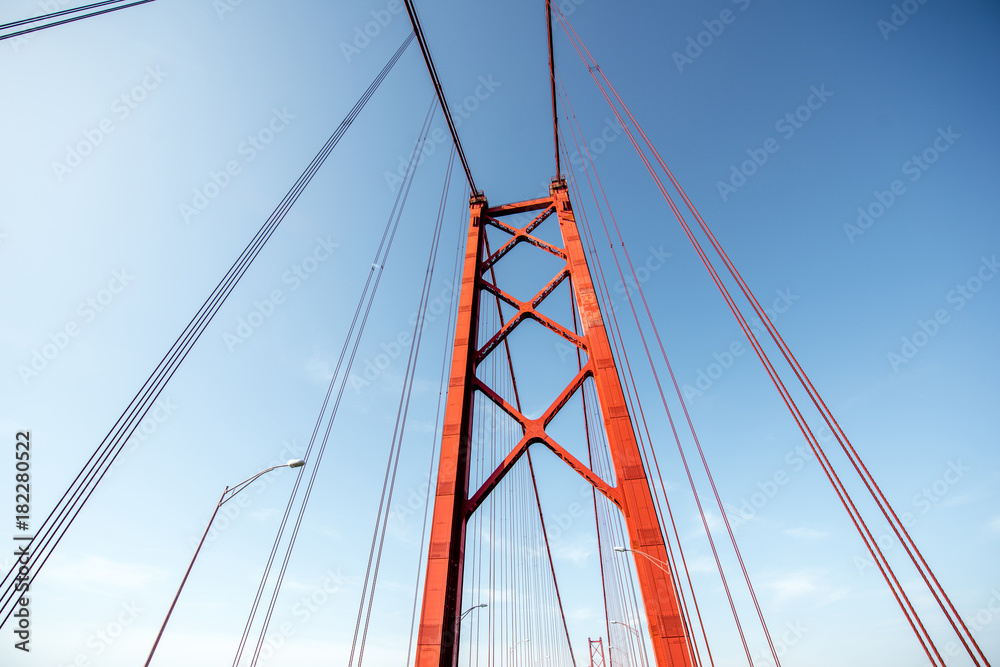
806,586
263,514
574,550
701,564
793,585
957,500
95,572
803,533
319,369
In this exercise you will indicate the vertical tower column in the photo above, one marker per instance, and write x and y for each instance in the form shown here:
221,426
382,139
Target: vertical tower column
437,639
660,598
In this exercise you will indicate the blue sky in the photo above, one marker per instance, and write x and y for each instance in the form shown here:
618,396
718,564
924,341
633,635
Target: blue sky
166,98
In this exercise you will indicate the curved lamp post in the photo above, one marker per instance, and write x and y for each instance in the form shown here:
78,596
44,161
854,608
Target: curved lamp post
638,637
470,610
626,625
656,561
514,648
611,648
227,495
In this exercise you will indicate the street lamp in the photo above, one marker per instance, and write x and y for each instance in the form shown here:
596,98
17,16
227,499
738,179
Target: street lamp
656,561
638,637
512,648
227,495
626,625
611,655
470,610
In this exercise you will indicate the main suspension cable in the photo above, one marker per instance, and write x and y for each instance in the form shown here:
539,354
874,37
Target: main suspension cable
439,89
552,82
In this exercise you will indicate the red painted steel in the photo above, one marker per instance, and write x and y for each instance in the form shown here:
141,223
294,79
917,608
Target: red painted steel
596,652
454,504
437,638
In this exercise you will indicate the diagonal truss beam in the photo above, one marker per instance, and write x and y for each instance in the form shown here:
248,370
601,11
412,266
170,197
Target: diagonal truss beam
527,310
521,237
534,432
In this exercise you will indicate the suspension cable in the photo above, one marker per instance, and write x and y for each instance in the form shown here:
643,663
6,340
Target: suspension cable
439,89
531,466
85,483
552,81
637,405
435,436
876,552
940,595
64,13
392,463
375,274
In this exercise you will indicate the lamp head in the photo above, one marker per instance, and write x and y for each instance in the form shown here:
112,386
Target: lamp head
622,549
295,463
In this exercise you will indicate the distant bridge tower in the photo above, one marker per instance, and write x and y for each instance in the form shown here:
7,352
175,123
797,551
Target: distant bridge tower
596,652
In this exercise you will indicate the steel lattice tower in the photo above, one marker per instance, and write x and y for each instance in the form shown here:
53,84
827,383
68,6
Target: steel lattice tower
455,502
